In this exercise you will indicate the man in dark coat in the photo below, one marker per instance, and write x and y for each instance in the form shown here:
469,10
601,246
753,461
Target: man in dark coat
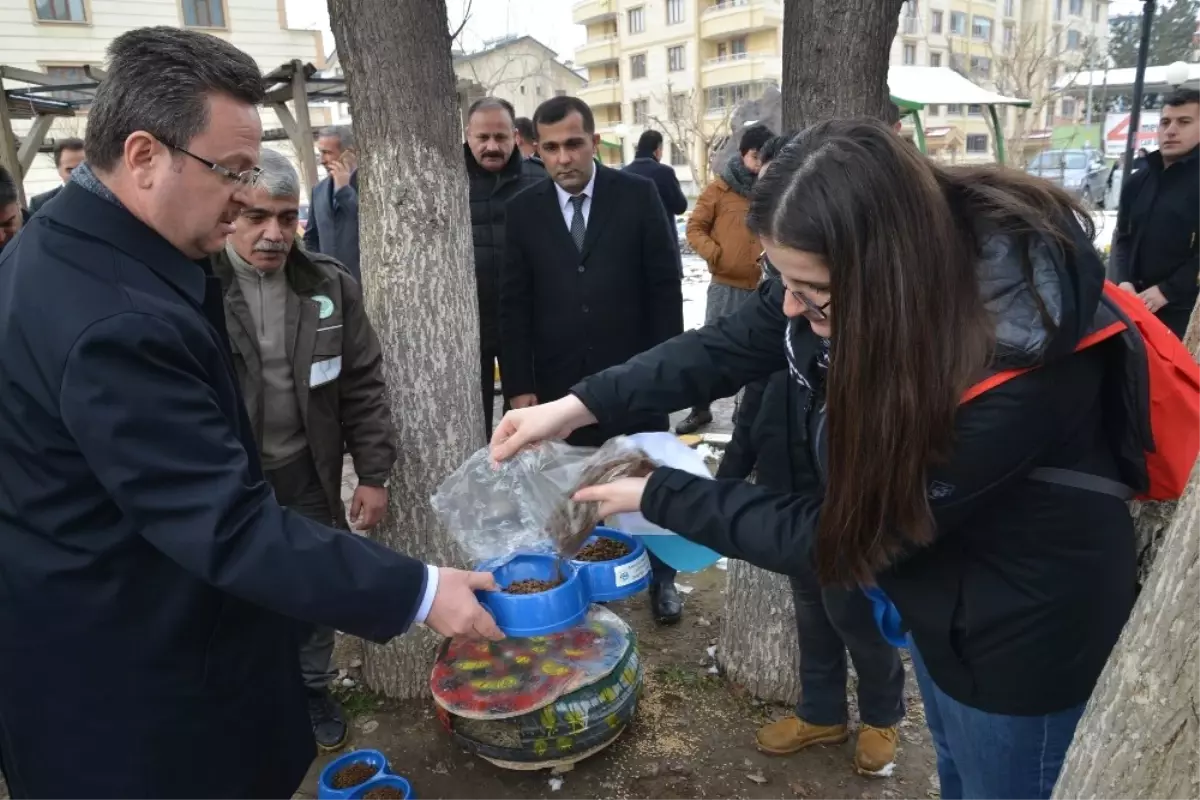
590,280
333,211
1155,250
647,162
152,581
496,171
68,154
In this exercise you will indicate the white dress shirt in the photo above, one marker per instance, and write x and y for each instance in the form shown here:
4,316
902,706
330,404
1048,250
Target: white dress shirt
564,200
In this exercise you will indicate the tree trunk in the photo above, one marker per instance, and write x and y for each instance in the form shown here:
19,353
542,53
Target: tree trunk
418,278
1139,734
835,61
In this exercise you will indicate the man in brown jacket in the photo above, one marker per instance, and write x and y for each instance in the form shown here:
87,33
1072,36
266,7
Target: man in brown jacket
717,231
309,367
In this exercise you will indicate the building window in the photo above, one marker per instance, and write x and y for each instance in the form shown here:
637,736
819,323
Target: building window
1074,40
958,23
981,28
1077,8
977,142
910,54
720,98
674,12
637,20
934,111
678,157
637,66
935,23
981,66
975,111
675,60
678,106
560,92
958,62
203,13
1068,107
71,74
61,11
737,47
641,111
1009,37
1057,10
935,59
1095,10
1009,8
954,110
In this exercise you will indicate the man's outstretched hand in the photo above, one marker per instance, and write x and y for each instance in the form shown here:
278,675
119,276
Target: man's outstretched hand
456,611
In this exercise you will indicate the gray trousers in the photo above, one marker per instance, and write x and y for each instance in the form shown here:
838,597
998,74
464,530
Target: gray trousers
298,488
829,622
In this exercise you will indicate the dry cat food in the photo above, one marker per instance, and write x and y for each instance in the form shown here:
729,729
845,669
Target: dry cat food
603,549
384,793
532,586
572,523
353,774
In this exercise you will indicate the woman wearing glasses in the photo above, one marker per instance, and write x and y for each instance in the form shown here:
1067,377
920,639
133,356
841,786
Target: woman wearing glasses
921,278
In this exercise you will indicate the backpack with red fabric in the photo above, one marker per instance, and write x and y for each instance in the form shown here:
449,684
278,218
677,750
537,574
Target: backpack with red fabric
1152,400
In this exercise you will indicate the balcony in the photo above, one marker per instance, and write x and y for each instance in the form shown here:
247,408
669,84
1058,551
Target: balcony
604,92
729,18
589,11
910,26
741,68
598,51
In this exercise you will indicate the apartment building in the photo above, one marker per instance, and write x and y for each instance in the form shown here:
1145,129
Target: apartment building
60,37
678,66
1015,47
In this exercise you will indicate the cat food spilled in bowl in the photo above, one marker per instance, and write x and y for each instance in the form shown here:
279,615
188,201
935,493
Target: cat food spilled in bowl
603,549
384,793
353,774
532,586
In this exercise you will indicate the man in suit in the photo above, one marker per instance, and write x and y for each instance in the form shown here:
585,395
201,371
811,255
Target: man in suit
648,163
150,576
589,281
333,212
68,154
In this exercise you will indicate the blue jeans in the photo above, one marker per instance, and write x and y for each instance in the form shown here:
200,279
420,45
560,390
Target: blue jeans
983,755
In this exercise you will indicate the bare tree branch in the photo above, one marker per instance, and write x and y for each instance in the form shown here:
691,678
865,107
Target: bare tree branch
467,7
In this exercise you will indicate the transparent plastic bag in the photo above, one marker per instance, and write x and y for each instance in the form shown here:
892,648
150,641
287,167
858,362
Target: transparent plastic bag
523,505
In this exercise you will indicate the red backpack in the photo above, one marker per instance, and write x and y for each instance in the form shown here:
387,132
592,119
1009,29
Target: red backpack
1157,399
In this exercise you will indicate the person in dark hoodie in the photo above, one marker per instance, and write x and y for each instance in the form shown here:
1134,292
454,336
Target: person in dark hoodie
1014,588
496,171
717,231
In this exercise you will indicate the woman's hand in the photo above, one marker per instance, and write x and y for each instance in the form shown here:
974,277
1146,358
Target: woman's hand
525,426
620,496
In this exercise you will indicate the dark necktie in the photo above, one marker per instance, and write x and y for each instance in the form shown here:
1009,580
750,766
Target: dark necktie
578,227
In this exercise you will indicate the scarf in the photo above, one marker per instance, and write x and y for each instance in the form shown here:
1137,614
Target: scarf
740,179
819,358
87,179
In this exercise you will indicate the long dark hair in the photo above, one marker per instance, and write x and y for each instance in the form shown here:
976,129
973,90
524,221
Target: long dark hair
900,236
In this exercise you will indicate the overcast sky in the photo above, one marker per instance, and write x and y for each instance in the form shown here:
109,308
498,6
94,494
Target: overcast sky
549,21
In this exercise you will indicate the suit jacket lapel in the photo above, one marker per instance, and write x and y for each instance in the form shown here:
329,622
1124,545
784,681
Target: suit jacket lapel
603,203
558,226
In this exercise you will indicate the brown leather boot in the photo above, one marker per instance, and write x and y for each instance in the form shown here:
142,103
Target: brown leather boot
875,753
792,734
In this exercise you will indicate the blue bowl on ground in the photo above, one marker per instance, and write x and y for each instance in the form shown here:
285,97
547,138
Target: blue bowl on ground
523,615
394,781
374,758
619,578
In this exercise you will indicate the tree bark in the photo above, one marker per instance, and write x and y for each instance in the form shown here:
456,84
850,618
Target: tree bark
418,278
835,61
1139,735
835,58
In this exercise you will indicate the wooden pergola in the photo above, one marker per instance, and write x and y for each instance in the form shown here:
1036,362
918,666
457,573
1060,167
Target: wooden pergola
45,98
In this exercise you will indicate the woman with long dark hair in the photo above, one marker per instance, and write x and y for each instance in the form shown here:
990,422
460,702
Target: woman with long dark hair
902,285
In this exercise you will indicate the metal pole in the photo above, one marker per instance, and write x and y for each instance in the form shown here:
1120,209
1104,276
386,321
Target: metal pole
1139,84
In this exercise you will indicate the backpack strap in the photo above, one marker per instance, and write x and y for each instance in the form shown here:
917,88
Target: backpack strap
1082,480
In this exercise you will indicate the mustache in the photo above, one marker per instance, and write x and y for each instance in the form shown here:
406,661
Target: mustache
268,246
496,153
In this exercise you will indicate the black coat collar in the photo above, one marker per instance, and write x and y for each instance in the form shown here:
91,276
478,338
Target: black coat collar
77,208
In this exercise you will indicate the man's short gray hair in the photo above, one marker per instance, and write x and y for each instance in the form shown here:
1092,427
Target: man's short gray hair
343,133
278,176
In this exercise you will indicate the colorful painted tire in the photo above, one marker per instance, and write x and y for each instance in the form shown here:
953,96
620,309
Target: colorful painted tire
575,723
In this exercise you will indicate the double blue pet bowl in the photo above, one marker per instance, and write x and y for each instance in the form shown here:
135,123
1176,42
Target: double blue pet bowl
566,605
384,777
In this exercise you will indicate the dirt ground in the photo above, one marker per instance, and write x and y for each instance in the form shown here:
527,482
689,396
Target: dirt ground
693,735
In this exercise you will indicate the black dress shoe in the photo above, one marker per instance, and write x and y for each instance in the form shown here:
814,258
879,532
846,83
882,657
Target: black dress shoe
328,723
665,603
694,421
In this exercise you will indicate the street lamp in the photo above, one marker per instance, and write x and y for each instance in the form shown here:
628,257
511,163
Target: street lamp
1139,83
1178,73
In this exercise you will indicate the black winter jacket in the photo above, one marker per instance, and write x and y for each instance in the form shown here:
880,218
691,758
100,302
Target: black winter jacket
489,192
1017,603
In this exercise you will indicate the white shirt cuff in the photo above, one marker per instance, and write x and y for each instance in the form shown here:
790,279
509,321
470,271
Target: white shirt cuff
431,586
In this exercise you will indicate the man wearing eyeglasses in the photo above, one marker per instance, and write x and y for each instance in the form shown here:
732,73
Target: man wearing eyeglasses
153,591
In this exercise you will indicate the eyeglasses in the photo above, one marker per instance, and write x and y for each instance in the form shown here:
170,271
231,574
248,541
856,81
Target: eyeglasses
769,271
247,179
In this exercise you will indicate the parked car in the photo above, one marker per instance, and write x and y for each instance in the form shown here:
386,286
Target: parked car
1082,172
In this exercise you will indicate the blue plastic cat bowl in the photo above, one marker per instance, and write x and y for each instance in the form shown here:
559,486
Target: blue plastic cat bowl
392,781
619,578
373,758
523,615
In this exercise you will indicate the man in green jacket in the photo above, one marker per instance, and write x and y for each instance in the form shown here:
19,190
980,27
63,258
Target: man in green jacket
309,365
